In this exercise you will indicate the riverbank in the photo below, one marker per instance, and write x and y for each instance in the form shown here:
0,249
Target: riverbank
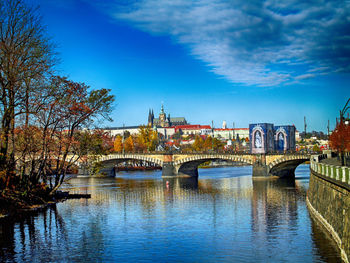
14,203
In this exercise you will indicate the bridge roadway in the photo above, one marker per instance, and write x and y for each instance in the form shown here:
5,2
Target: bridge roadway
184,164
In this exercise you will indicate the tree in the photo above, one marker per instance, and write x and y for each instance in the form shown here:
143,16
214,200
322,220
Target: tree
129,144
147,138
208,143
177,135
79,106
118,144
26,56
316,148
198,144
340,139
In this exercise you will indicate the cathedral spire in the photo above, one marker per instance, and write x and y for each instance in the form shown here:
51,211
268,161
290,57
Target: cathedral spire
150,117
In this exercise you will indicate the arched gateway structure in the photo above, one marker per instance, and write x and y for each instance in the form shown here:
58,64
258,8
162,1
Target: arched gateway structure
281,165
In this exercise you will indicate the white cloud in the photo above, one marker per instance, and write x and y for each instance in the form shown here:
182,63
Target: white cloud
251,42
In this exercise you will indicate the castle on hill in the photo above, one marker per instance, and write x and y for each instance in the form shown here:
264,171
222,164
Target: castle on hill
164,121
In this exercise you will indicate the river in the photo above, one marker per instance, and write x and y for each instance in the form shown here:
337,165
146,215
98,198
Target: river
224,216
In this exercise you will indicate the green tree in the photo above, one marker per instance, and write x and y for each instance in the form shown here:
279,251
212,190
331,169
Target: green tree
198,144
316,148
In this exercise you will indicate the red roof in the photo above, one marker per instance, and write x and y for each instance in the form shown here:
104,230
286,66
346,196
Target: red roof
192,127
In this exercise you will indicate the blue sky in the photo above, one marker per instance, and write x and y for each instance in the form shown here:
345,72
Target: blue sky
238,61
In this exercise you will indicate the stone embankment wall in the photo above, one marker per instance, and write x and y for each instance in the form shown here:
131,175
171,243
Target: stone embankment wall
329,201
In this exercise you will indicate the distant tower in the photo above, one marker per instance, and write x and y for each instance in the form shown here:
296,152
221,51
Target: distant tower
169,120
162,117
150,118
224,125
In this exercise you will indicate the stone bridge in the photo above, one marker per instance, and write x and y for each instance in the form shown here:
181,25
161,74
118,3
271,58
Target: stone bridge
281,165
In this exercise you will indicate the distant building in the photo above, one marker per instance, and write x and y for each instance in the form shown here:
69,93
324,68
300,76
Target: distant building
265,138
114,131
285,138
193,129
297,136
229,134
163,120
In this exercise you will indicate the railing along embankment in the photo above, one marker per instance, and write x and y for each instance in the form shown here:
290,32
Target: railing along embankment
328,200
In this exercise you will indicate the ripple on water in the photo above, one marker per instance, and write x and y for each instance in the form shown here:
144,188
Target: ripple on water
225,216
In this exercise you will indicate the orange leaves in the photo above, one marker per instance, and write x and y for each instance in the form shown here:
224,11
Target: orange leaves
129,144
118,144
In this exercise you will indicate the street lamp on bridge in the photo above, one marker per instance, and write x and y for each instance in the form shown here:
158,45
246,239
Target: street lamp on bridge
343,111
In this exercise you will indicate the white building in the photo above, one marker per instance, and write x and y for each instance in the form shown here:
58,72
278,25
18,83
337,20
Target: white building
193,129
228,134
114,131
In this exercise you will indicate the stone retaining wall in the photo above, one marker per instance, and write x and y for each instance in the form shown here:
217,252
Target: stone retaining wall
329,201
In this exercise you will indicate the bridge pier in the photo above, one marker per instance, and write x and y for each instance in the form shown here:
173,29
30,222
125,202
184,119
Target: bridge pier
260,170
168,169
171,170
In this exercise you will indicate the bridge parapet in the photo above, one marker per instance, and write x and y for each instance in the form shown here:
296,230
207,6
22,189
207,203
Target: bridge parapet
181,159
157,159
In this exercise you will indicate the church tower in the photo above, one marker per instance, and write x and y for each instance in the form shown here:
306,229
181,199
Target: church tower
150,118
162,117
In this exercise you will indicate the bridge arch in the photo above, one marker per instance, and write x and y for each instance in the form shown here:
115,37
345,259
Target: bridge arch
124,157
189,165
108,162
286,165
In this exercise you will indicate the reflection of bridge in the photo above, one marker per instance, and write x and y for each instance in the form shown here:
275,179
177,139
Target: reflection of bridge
281,165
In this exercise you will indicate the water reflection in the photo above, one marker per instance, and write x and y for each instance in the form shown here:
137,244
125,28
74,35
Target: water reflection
223,216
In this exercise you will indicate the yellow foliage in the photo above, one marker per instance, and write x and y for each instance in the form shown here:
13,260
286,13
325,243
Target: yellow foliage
129,144
147,138
118,144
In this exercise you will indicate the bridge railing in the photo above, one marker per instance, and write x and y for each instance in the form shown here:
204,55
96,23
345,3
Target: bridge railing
214,152
335,172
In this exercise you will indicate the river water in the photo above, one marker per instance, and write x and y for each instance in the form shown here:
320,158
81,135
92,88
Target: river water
224,216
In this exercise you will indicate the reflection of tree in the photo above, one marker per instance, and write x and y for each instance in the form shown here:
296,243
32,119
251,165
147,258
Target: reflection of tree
37,233
7,242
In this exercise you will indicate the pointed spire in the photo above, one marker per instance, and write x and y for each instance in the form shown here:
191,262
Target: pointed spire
150,117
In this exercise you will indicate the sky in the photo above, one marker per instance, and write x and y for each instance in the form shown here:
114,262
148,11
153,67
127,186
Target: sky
208,60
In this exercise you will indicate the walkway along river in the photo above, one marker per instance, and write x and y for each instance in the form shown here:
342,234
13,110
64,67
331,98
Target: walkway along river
223,216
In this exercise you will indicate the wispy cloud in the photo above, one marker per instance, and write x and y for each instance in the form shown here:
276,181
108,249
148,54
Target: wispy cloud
263,43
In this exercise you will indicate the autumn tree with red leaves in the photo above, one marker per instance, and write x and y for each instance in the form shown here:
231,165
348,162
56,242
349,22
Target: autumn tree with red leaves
340,139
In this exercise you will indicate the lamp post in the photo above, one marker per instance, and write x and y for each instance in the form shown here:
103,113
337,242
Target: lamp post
344,110
123,138
212,139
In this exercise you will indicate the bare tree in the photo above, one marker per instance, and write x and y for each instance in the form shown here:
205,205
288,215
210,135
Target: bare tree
26,56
